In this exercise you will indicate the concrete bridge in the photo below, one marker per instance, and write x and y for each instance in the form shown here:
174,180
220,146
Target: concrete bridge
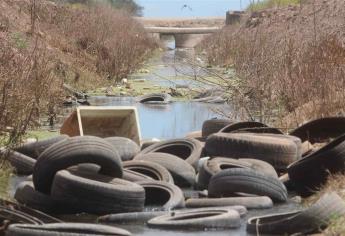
184,37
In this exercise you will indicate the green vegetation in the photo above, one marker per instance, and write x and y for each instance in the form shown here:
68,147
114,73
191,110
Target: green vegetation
41,134
19,41
264,4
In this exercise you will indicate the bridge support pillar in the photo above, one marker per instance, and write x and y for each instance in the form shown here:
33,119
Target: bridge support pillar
188,40
155,36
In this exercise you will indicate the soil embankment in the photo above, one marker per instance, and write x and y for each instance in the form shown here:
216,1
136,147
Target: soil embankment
289,61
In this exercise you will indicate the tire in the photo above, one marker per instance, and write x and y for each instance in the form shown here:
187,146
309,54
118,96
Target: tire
27,195
182,172
312,171
22,163
150,169
155,98
261,166
241,125
196,135
97,194
287,182
278,151
64,229
133,176
204,176
295,139
147,144
260,130
132,217
128,175
143,217
240,180
11,211
15,216
218,164
248,202
125,147
213,126
162,195
73,151
187,149
319,130
311,220
198,219
34,149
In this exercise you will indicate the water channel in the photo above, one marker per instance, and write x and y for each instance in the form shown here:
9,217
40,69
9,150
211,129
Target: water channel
171,121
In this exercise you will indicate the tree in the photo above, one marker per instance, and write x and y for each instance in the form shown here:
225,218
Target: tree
129,5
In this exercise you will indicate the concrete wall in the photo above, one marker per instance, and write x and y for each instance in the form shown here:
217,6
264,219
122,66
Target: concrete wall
188,40
233,17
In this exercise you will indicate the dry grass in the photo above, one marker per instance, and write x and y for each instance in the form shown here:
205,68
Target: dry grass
43,45
29,87
5,174
335,183
289,62
112,40
265,4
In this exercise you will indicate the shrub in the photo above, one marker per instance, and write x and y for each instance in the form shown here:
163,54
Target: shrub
28,85
289,64
264,4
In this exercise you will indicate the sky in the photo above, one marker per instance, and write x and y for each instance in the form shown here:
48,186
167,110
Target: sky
196,8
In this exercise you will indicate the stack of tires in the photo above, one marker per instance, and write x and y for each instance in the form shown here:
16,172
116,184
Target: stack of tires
59,185
216,173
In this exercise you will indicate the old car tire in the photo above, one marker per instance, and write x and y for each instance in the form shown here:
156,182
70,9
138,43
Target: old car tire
163,98
133,176
320,130
218,164
259,130
240,180
311,172
34,149
198,219
97,194
213,126
187,149
241,125
278,151
329,207
150,169
125,147
22,163
73,151
162,195
182,172
131,217
28,196
64,229
262,202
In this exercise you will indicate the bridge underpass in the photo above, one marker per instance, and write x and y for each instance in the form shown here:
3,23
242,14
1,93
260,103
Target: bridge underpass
184,37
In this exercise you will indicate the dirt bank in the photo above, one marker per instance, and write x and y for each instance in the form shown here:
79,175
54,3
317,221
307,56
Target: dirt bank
286,58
